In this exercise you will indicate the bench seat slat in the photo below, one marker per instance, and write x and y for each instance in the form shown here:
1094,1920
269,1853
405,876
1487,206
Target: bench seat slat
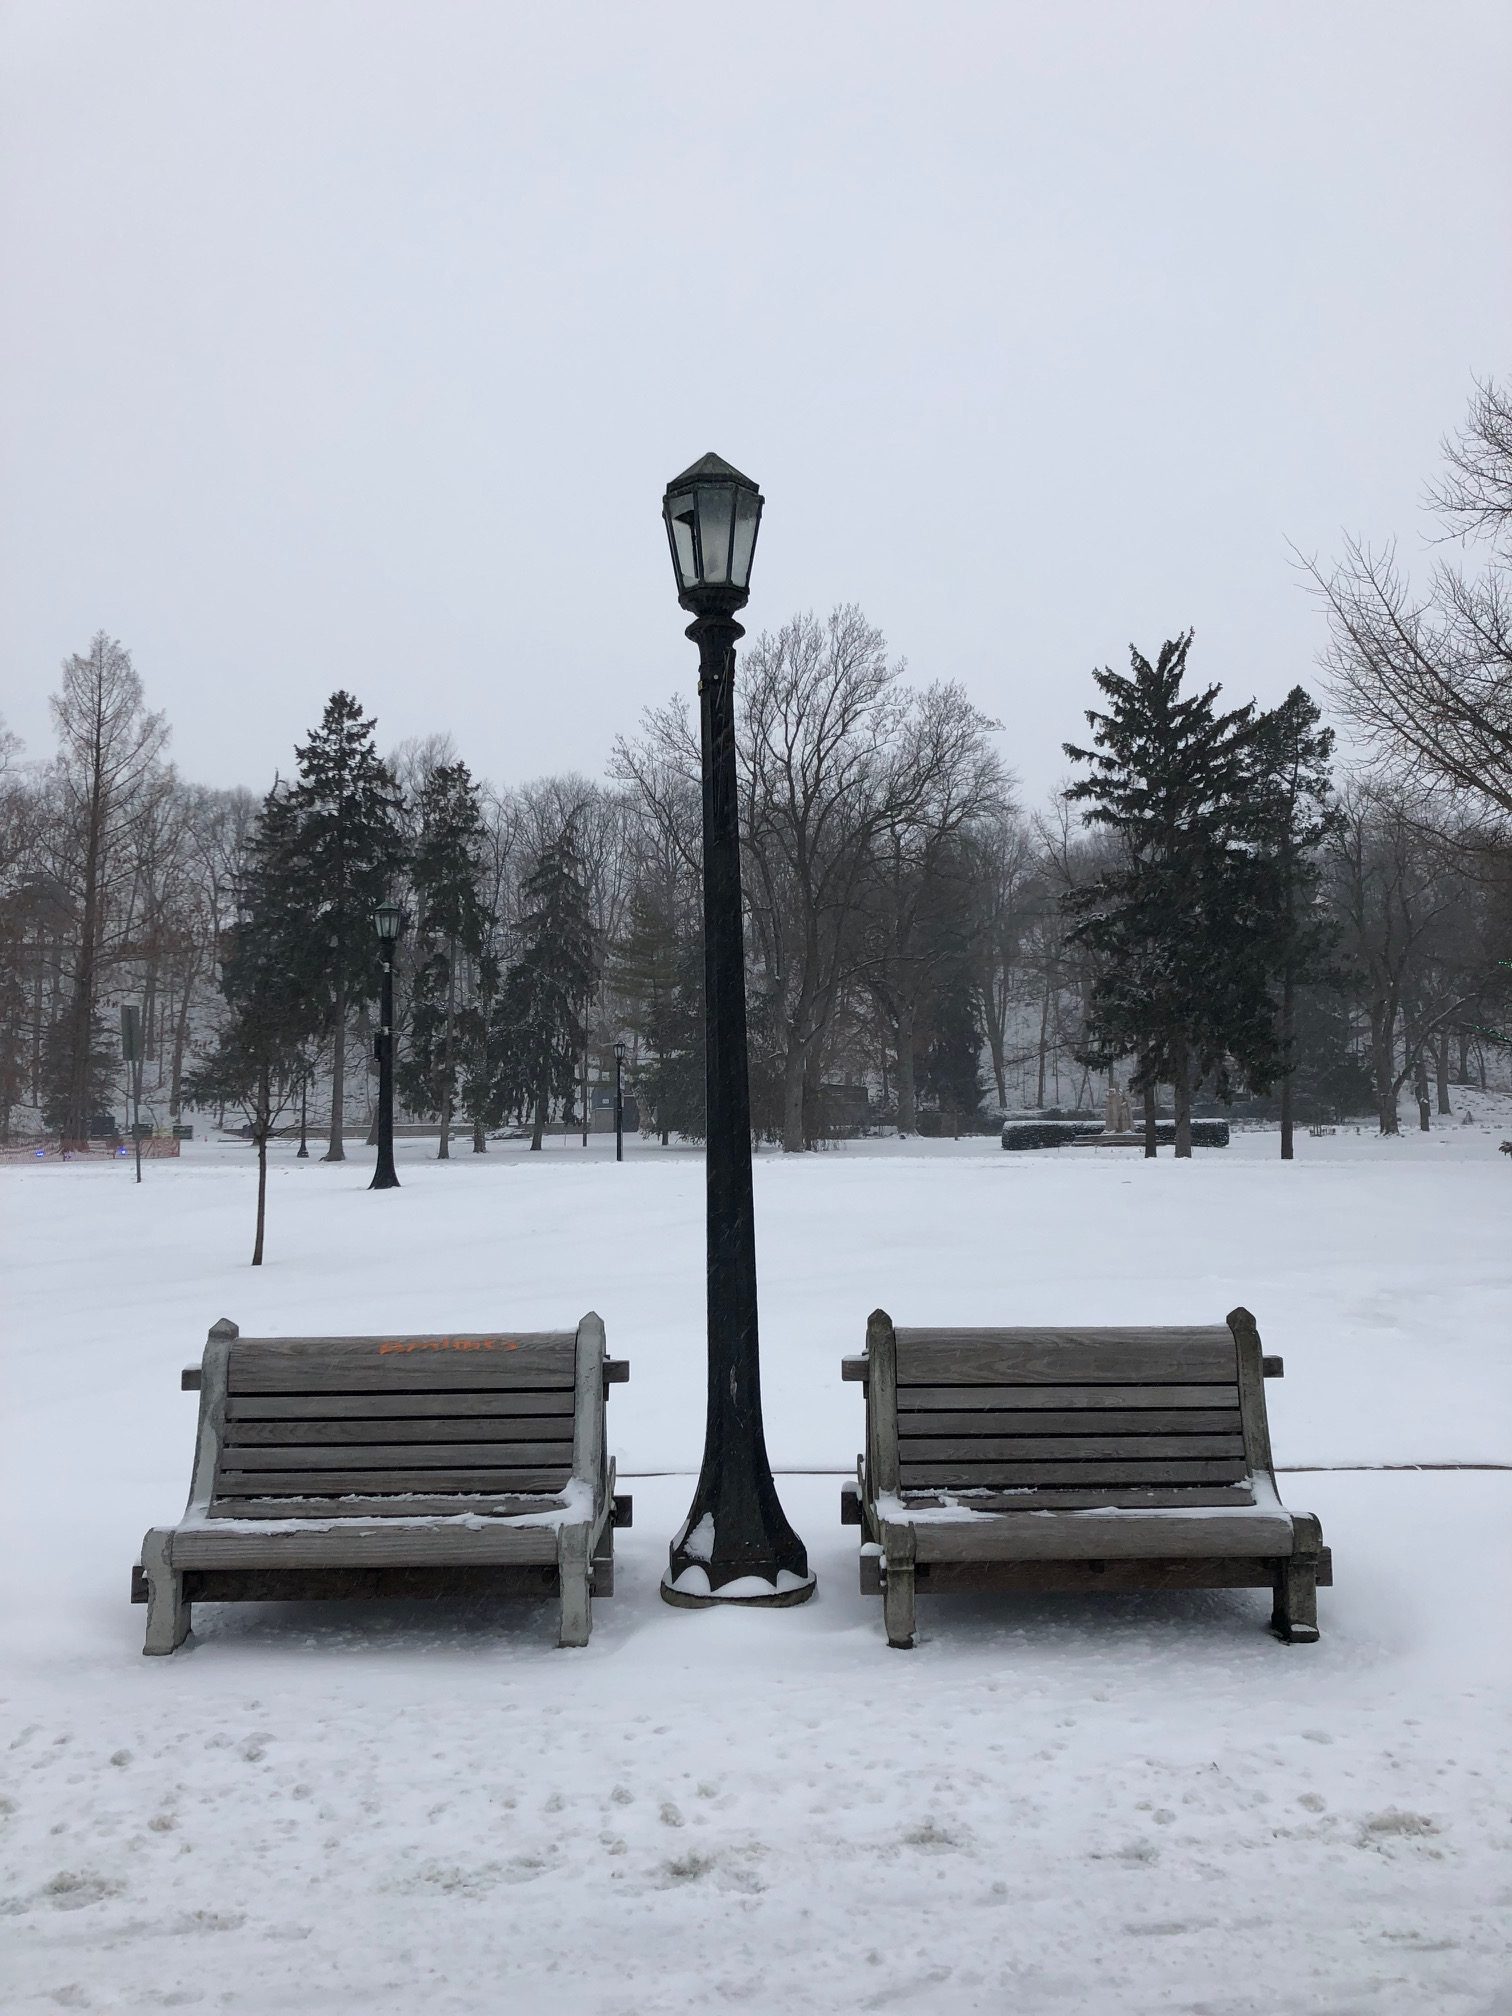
554,1404
1094,1421
1120,1536
385,1456
925,1476
539,1428
925,1397
1058,1448
353,1542
461,1360
414,1505
1059,1357
1153,1497
341,1483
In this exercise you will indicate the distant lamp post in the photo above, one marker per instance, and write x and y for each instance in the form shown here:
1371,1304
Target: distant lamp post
736,1544
388,921
619,1102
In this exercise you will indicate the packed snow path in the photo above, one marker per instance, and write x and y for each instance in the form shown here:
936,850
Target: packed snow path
1127,1805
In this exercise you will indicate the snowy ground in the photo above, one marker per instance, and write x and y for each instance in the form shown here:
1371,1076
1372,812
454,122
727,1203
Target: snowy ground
1138,1804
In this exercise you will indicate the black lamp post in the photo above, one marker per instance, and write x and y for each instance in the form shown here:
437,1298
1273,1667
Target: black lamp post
619,1102
736,1543
388,920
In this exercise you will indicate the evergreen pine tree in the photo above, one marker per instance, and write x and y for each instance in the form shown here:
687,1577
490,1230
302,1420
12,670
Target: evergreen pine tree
329,853
539,1015
1289,802
1183,922
63,1073
953,1043
451,928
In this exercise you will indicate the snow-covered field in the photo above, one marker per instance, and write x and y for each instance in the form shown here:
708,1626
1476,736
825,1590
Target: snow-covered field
1142,1804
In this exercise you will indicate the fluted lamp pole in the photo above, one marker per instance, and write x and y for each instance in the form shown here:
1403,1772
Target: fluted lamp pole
388,921
736,1544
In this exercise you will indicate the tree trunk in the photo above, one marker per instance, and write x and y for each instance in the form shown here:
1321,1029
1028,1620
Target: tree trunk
1181,1088
995,1048
480,1144
264,1124
1288,1061
542,1099
1420,1092
180,1044
1151,1139
336,1151
1044,1028
1441,1060
908,1114
76,1120
448,1071
1383,1070
792,1100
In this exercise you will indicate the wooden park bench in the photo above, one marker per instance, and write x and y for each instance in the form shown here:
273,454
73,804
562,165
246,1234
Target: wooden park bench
1074,1460
393,1466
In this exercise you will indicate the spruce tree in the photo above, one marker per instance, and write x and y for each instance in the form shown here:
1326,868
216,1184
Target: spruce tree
65,1068
1182,922
451,928
335,847
539,1015
1290,807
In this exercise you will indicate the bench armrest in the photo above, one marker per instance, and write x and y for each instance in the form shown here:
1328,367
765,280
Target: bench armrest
1273,1368
189,1379
854,1370
616,1371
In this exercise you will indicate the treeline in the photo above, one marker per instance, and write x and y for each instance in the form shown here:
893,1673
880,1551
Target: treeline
1210,909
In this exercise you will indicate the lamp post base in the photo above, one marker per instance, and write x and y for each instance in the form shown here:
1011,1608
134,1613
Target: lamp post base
750,1591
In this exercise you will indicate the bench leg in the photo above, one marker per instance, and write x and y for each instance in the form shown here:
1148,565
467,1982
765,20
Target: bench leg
167,1611
1294,1615
898,1588
603,1563
574,1574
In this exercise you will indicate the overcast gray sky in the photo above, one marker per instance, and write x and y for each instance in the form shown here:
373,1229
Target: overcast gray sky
352,344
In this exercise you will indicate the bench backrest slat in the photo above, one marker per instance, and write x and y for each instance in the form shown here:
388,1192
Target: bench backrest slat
1065,1357
549,1403
458,1362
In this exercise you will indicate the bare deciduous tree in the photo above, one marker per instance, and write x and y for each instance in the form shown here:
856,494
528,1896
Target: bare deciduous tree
1424,676
107,774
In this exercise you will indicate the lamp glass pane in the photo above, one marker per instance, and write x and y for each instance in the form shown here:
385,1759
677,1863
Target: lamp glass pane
680,515
716,513
747,517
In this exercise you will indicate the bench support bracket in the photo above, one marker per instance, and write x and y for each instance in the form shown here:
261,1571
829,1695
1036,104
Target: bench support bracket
898,1548
167,1611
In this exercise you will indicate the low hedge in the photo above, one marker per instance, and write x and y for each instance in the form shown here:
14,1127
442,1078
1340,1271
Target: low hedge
1057,1133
